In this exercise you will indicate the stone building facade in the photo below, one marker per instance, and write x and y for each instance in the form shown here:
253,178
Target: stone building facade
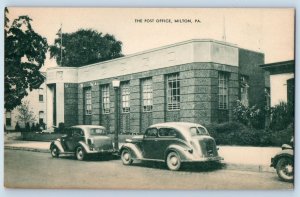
194,81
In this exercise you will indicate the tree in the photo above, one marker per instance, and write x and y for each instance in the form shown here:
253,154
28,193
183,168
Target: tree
25,53
85,46
25,115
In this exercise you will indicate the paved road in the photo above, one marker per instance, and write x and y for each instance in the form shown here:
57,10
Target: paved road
25,169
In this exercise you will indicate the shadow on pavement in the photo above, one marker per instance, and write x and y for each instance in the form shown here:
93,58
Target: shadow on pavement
90,158
186,167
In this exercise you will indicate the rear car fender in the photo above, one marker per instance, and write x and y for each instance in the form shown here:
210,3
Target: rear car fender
182,151
136,153
57,143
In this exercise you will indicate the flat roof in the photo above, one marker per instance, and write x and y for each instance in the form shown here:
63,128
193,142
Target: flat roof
280,67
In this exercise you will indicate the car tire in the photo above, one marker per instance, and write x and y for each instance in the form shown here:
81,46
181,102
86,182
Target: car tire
126,157
173,161
80,153
285,169
54,151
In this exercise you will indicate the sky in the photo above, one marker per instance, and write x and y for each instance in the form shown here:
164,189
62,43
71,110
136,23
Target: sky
270,31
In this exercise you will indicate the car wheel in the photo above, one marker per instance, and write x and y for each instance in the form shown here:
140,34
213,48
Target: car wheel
285,169
173,161
80,154
54,151
126,157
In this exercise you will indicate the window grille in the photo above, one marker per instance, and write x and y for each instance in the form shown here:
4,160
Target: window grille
147,95
223,90
173,92
125,93
88,101
105,99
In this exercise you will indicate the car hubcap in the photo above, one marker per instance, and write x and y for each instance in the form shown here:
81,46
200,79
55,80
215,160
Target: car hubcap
126,156
174,161
288,169
54,151
79,153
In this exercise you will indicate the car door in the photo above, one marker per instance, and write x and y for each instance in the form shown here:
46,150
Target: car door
166,137
78,135
150,144
71,139
64,139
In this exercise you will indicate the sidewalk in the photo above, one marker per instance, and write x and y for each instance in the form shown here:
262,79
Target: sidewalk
255,159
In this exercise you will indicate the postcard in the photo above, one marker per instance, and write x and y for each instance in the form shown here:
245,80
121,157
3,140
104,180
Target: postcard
149,98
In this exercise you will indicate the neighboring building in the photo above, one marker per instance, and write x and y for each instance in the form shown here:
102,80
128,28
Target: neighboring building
37,104
196,81
282,81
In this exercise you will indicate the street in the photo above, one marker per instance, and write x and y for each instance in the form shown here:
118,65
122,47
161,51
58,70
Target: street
24,169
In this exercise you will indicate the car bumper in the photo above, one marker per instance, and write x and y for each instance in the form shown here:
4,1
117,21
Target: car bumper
110,151
206,159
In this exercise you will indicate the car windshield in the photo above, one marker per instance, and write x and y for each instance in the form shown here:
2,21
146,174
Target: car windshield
97,131
198,131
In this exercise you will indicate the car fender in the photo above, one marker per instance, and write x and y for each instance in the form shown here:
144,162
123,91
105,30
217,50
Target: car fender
84,146
136,153
57,143
283,153
182,151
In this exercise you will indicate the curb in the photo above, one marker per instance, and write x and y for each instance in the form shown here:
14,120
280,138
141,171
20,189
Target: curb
226,166
248,167
27,149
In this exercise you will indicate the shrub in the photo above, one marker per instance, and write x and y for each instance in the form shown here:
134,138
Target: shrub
250,116
17,127
33,127
282,115
27,127
60,128
234,133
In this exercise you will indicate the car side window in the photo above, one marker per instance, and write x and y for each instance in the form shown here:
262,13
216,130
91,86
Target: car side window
78,133
68,132
151,133
167,132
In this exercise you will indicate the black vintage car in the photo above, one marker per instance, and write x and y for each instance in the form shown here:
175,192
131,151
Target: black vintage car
82,140
173,143
283,162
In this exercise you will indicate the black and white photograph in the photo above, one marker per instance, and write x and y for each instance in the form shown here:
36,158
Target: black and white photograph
149,98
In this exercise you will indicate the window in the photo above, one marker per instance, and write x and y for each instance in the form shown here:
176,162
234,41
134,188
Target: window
97,131
166,132
125,92
223,90
8,118
244,90
198,131
147,95
88,101
105,99
152,132
41,117
41,98
173,92
78,132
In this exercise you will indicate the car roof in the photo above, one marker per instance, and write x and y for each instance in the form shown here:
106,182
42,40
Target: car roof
177,125
87,126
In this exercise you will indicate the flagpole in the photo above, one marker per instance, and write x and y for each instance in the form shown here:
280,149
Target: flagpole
60,44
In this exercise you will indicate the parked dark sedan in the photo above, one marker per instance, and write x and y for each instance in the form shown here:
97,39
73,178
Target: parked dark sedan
82,140
173,143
